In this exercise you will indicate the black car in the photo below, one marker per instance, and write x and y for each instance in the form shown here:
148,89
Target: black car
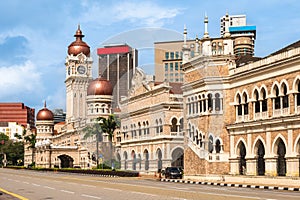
173,172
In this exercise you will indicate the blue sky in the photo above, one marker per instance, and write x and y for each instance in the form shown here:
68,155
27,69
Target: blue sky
34,35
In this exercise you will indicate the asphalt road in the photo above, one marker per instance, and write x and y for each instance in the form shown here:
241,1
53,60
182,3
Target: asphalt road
49,185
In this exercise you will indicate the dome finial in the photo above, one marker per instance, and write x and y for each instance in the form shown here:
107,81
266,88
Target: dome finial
45,104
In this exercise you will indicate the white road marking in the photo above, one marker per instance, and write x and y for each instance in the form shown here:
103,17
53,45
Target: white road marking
142,193
25,182
67,191
179,188
90,196
92,186
51,188
36,184
113,189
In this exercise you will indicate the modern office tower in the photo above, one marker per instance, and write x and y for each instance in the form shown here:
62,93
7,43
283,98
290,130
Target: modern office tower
234,20
117,63
17,112
168,60
59,115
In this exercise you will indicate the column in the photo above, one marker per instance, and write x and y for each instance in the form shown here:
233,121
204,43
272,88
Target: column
271,166
251,166
234,166
250,109
292,166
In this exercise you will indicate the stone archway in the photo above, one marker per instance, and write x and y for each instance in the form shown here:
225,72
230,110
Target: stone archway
242,158
177,158
260,153
66,161
281,161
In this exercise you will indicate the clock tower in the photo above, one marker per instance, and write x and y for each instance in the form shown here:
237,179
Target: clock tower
78,76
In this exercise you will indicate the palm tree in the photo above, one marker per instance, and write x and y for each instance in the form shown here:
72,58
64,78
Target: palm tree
94,129
109,125
31,139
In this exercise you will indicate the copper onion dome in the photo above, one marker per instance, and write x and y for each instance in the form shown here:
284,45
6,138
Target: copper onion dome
100,86
78,45
44,114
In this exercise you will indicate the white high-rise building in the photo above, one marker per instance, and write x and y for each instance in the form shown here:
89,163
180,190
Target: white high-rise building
234,20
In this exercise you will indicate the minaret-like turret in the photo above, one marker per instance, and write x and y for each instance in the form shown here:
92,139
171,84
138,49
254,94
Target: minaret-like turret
185,47
206,35
197,46
226,34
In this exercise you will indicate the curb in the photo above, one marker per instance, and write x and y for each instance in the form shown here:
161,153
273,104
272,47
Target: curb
231,185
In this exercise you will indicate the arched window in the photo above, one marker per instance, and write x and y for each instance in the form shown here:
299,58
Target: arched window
181,125
210,103
174,125
140,129
298,94
193,106
239,106
217,102
285,100
196,105
256,103
246,111
277,98
264,101
200,103
210,144
189,106
157,126
218,146
161,126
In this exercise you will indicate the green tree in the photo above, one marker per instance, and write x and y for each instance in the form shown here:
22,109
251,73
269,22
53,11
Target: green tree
109,125
3,142
14,150
31,140
94,129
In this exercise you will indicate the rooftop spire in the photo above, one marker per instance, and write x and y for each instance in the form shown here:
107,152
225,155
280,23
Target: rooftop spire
45,105
206,35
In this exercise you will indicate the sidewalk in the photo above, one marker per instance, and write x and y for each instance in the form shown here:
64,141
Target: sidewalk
275,183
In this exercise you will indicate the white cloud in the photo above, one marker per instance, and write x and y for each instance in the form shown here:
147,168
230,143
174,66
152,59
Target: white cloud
145,13
137,13
19,79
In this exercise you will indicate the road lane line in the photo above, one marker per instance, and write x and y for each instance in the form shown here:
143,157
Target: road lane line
85,185
26,182
90,196
51,188
13,194
67,191
36,184
113,189
142,193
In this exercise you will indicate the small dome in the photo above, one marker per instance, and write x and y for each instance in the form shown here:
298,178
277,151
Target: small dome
44,114
100,86
78,46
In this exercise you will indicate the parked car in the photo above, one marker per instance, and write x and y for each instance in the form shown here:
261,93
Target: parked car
173,172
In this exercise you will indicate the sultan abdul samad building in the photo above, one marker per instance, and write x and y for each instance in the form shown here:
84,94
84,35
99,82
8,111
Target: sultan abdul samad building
234,113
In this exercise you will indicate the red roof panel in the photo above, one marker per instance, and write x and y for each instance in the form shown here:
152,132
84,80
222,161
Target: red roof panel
113,50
